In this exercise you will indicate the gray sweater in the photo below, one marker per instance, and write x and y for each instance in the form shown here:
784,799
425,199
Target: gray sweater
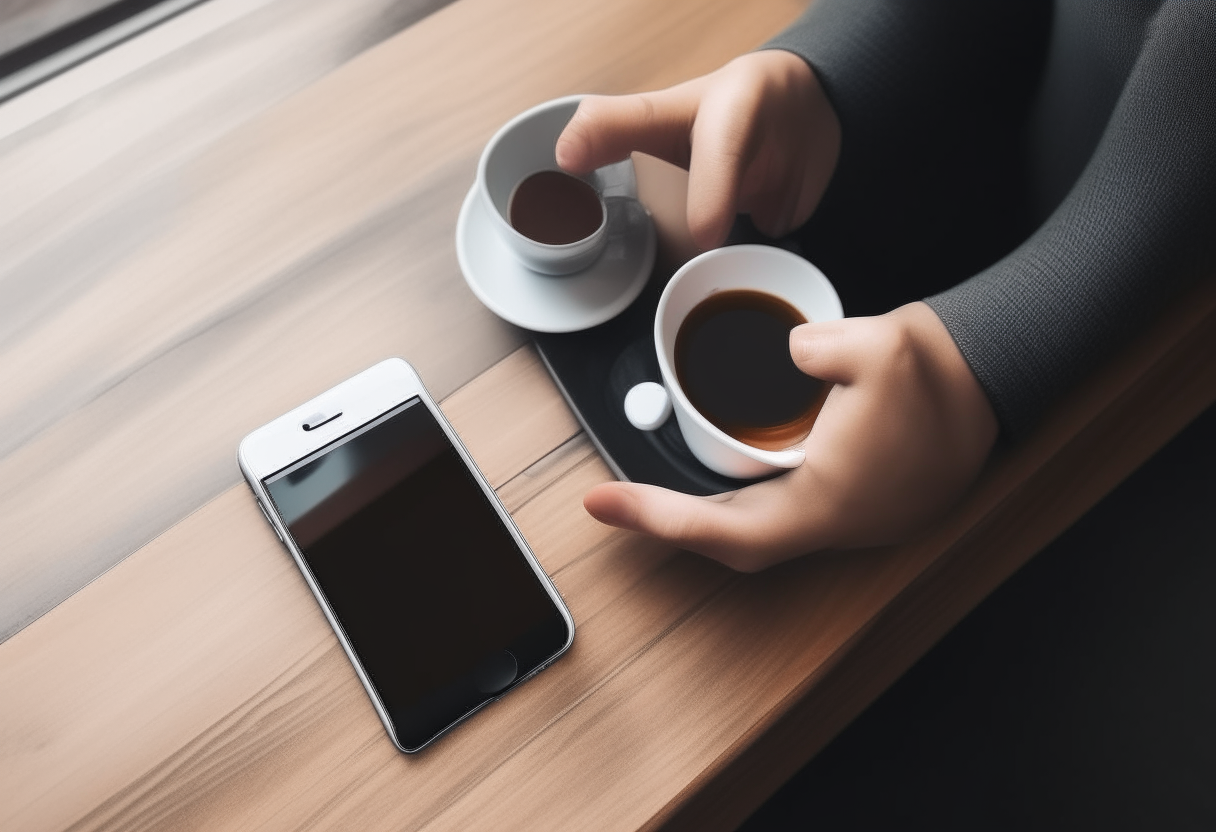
1116,148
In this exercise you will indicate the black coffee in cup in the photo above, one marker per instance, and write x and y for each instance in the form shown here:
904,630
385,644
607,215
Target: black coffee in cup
555,208
732,360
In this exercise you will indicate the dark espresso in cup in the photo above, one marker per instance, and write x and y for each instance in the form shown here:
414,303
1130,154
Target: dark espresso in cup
732,360
555,208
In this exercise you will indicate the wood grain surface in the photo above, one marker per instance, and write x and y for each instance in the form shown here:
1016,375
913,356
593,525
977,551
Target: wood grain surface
146,328
195,684
95,173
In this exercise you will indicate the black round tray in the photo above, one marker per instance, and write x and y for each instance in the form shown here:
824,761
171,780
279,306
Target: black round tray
595,368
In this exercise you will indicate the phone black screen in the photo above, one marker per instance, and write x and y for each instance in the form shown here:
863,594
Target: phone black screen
425,580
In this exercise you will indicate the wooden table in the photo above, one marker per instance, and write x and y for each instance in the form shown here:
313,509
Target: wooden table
196,684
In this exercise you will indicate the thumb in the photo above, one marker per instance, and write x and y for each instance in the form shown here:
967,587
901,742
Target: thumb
831,350
606,129
699,524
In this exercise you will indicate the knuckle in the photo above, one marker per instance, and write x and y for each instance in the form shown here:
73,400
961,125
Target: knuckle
892,341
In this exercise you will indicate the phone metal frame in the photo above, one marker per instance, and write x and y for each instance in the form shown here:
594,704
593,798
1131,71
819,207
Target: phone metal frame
359,401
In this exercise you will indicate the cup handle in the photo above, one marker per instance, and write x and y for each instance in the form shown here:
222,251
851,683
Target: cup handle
647,405
616,180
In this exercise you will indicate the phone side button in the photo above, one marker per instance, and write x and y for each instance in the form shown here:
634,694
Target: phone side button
271,522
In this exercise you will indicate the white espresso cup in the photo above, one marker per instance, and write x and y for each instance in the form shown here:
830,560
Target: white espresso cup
759,268
525,145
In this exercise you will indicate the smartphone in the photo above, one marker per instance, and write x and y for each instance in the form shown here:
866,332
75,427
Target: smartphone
430,587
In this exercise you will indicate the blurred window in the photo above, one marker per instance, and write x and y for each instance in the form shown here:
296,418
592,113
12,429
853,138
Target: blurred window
40,38
25,21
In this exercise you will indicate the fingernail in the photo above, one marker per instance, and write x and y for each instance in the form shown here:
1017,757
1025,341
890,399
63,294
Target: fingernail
571,149
800,342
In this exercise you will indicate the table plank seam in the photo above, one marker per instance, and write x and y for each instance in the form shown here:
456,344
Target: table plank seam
586,694
583,461
567,447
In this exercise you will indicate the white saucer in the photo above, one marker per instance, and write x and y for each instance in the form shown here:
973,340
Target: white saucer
548,303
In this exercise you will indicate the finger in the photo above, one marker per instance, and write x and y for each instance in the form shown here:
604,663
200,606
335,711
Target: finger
746,530
606,129
706,525
831,350
668,515
776,211
721,140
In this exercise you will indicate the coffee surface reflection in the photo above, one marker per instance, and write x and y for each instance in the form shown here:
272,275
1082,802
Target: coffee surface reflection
555,208
732,360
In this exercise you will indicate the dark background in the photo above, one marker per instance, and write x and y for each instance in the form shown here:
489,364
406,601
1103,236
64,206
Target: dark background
1079,695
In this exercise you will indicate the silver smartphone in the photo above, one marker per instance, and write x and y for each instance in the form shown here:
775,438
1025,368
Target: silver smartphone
432,590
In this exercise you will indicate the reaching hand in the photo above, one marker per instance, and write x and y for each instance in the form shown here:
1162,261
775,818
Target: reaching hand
904,431
757,136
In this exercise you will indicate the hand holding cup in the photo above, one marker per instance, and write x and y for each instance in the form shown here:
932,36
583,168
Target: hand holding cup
906,427
757,136
903,433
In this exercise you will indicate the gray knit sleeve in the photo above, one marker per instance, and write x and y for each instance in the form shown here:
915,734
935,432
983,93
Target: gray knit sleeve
1139,220
884,63
1134,227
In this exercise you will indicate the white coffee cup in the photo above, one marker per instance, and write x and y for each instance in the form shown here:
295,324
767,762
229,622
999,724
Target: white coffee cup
760,268
524,146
